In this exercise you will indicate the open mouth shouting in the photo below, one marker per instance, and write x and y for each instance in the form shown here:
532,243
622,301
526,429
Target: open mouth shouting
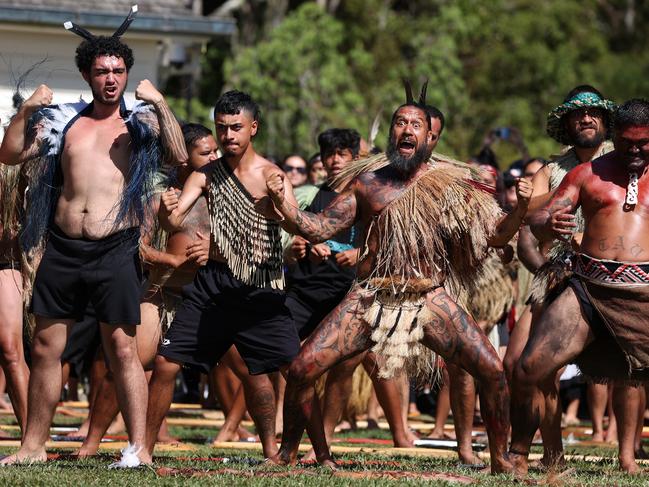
407,146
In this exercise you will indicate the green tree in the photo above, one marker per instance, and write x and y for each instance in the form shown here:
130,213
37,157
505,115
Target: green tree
301,79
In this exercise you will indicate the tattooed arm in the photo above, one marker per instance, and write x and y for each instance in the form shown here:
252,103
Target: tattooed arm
17,145
338,215
556,219
173,142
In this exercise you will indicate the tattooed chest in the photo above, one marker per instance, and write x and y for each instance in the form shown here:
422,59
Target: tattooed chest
380,194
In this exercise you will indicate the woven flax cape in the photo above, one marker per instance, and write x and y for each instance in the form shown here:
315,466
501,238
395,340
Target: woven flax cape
433,234
250,243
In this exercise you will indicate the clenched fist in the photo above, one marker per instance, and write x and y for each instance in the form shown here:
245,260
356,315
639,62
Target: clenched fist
148,93
299,247
524,191
41,97
562,223
199,250
275,185
170,200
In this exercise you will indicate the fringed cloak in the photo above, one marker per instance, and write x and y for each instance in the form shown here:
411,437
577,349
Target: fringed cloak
434,234
250,243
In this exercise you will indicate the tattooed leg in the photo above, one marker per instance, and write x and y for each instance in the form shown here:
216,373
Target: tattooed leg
558,336
341,335
454,335
260,400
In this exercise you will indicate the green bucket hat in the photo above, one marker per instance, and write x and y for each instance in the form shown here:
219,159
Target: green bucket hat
587,99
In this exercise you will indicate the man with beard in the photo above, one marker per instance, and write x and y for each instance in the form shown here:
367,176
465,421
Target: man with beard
96,165
582,122
322,276
599,320
415,244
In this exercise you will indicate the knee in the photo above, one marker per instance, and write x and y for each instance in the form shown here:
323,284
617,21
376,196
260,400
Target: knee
123,350
43,349
509,364
492,369
10,350
163,367
301,372
526,372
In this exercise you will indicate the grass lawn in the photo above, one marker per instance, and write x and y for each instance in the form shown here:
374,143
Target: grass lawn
204,465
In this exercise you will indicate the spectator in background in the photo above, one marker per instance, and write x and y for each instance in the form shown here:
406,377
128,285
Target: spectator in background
317,172
295,168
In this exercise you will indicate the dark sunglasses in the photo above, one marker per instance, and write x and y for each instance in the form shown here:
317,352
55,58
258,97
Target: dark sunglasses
301,170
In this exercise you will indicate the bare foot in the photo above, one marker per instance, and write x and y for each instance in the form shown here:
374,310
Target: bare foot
599,436
245,435
310,456
519,463
166,439
227,435
412,436
545,464
469,458
279,459
145,457
25,457
440,435
85,452
629,466
406,442
330,464
82,432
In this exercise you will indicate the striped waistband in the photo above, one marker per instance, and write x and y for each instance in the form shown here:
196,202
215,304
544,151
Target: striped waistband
611,271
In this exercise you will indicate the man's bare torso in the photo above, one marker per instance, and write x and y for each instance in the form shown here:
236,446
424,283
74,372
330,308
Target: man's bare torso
613,232
94,162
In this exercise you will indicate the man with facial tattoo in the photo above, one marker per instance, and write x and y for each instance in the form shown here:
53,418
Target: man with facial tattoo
426,227
599,320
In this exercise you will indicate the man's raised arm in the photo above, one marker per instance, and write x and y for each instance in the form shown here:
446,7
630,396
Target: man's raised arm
171,134
338,215
16,146
556,220
174,208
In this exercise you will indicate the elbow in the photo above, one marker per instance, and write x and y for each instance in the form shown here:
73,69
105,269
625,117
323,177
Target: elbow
8,158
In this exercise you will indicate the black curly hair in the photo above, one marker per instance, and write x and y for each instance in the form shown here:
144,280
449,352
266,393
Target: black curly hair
88,51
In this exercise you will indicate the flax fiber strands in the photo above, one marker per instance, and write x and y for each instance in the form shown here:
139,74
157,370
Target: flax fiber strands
250,243
435,233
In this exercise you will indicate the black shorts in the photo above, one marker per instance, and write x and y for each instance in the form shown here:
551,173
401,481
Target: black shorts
218,311
82,345
75,271
307,314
